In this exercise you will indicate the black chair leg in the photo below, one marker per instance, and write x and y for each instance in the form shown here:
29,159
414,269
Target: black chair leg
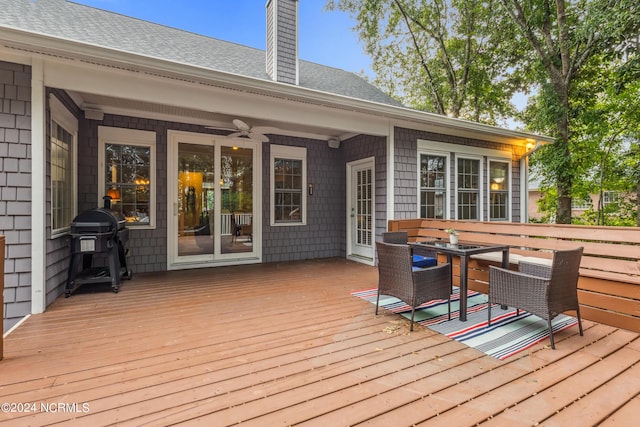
413,312
489,314
377,302
579,321
553,344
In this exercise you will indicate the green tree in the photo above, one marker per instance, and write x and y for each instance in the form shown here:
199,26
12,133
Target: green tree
436,55
565,35
465,58
605,120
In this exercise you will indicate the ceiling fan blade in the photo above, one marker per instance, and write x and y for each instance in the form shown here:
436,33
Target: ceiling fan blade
236,135
264,129
258,137
242,126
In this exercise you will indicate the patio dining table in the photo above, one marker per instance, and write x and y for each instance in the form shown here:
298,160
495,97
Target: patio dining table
463,250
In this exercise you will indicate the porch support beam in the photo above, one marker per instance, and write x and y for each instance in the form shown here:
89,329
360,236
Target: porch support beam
38,190
391,200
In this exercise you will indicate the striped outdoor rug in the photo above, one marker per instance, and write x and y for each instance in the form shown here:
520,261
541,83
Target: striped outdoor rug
508,334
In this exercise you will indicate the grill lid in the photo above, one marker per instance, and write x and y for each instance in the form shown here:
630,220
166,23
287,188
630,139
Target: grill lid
98,220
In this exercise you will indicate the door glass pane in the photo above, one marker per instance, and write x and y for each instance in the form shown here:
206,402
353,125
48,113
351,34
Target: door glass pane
364,207
196,180
236,189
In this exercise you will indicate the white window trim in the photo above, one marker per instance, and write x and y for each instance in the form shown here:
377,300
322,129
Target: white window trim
61,115
293,153
456,151
480,186
609,197
424,145
509,189
140,138
447,155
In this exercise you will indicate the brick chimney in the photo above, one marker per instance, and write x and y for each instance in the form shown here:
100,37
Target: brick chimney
282,40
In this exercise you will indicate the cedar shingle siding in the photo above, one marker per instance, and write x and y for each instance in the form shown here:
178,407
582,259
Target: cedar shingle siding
406,177
15,185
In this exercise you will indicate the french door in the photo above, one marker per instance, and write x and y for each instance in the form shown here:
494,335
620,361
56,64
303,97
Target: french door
361,215
212,188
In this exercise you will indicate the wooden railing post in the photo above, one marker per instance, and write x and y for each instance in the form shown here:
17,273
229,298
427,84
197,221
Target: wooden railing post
2,293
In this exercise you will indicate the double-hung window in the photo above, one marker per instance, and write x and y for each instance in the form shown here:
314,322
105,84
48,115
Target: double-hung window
127,160
468,178
433,186
62,145
581,203
288,185
462,181
610,197
498,191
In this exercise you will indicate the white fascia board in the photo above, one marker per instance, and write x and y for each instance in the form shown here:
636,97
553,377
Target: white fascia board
10,56
147,65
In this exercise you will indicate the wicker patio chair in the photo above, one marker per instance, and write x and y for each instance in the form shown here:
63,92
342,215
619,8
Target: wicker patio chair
422,258
398,278
543,290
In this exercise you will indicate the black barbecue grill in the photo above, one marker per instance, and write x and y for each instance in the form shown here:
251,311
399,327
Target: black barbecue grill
93,232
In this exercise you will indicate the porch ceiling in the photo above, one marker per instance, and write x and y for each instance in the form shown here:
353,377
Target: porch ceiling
138,108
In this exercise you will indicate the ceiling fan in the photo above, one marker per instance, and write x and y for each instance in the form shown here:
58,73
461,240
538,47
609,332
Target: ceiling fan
243,130
246,131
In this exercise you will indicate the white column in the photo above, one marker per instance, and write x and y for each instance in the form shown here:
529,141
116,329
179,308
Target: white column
38,188
524,189
390,175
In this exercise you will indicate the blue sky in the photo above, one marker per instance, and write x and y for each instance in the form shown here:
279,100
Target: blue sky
325,37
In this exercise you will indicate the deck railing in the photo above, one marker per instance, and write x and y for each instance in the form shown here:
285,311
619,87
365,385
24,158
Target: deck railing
609,285
241,219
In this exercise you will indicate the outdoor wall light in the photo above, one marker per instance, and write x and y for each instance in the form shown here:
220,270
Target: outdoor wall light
333,143
93,114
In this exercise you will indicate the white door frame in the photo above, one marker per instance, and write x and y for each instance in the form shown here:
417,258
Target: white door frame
175,262
368,257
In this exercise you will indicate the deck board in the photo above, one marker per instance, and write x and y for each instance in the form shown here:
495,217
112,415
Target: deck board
286,344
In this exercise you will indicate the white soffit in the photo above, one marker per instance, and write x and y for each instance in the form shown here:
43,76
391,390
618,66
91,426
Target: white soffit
194,96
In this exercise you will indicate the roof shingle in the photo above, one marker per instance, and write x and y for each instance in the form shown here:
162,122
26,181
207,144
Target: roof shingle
71,21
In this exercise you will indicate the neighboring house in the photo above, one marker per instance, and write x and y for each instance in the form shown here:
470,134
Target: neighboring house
95,103
578,206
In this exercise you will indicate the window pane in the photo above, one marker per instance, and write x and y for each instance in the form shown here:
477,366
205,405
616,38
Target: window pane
61,177
433,178
128,181
468,188
288,190
498,206
498,176
498,191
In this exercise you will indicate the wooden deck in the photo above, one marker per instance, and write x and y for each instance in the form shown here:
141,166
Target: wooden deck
285,344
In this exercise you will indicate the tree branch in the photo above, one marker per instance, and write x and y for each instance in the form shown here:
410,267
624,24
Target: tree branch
515,9
437,98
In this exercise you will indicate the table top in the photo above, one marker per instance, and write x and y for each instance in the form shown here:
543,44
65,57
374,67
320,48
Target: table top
461,248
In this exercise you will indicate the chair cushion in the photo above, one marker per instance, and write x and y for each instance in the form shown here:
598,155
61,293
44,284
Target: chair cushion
424,261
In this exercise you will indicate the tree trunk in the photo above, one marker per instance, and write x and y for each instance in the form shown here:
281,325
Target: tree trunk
564,181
